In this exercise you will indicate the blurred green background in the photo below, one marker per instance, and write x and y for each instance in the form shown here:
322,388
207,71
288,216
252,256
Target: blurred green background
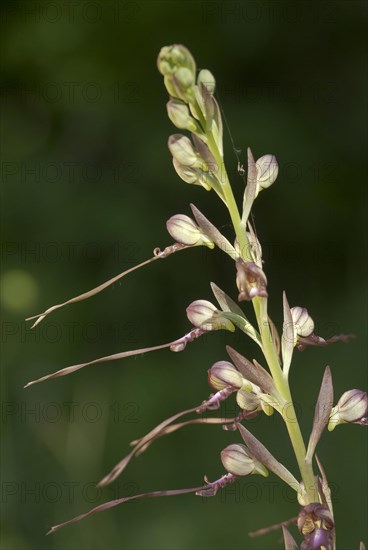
88,184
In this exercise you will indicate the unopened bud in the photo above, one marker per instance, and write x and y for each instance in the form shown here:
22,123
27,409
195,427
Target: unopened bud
238,462
196,176
352,407
180,116
183,151
223,374
206,78
303,322
203,314
172,58
267,170
185,231
178,67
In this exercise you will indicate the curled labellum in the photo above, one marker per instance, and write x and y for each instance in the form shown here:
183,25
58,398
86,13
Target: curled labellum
250,280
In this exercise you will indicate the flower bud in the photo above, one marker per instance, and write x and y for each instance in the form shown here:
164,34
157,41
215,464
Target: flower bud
178,67
180,116
172,58
236,460
183,151
303,322
248,401
267,170
352,407
203,314
223,374
206,78
196,176
185,231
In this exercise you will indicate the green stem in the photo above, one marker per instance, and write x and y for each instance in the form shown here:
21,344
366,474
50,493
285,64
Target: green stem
260,308
282,385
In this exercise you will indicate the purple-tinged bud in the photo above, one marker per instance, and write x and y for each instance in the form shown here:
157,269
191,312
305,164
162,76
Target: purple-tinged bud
204,315
206,78
185,231
179,115
195,176
352,408
183,151
223,374
303,322
267,171
237,461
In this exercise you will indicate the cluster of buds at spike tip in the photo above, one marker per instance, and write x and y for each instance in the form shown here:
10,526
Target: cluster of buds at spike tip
250,280
185,231
204,315
352,408
237,460
316,524
178,67
267,170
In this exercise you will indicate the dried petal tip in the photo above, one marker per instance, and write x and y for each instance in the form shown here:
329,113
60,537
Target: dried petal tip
185,231
303,322
352,408
267,171
250,280
223,374
237,461
204,315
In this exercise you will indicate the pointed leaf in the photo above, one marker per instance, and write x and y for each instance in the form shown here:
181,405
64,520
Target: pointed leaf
287,340
211,231
322,412
228,305
252,372
225,302
250,190
244,325
206,154
289,541
325,487
264,456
